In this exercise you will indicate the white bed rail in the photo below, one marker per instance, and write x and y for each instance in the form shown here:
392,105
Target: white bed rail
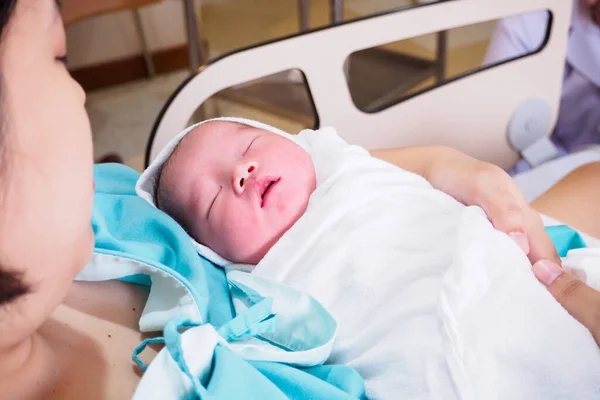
470,113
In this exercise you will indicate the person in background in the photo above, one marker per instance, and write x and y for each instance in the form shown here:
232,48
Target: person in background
579,114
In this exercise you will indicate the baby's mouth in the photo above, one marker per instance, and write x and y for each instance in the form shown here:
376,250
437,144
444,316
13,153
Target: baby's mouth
265,187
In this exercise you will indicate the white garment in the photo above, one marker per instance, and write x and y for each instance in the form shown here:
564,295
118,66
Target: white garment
431,301
164,380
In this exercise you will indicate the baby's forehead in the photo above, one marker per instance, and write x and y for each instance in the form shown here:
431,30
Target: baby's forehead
210,140
215,133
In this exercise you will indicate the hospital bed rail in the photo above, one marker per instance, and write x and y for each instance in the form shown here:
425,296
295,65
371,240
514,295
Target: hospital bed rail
469,112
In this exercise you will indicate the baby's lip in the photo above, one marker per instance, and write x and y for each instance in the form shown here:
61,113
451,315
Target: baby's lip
264,186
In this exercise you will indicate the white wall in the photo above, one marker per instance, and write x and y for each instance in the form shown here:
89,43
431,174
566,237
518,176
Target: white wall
113,36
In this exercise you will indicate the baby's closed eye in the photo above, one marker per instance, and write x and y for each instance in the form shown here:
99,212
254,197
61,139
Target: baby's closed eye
212,203
249,145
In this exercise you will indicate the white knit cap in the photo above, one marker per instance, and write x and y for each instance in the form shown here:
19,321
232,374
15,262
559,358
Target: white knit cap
146,184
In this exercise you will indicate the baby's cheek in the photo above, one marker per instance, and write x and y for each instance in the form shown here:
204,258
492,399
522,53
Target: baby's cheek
292,204
242,235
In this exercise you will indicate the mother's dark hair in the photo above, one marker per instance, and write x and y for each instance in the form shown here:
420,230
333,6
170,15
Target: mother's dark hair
6,10
11,283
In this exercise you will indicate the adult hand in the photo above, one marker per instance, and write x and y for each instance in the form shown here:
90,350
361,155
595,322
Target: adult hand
580,300
478,183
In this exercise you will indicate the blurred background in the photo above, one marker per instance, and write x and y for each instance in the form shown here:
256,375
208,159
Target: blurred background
131,55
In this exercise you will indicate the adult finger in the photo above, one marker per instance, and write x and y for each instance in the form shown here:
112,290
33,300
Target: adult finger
496,194
509,212
580,300
507,216
540,244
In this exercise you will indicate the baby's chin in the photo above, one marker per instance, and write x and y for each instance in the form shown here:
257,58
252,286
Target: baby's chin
255,258
255,254
250,243
253,251
252,246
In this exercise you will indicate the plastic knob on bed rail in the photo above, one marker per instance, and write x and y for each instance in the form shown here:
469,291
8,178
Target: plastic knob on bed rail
529,129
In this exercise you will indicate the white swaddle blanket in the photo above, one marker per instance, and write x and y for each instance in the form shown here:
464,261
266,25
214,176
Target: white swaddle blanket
430,300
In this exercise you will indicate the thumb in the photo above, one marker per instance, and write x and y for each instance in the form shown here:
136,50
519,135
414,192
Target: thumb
580,300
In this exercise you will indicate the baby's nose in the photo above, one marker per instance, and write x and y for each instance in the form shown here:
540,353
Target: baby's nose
241,174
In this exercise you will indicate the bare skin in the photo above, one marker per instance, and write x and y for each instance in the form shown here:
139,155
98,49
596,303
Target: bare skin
84,349
574,201
581,189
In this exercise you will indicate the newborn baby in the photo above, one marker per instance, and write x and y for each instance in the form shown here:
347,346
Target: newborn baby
430,301
236,188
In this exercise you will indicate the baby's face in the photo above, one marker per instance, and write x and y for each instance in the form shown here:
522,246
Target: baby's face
239,188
